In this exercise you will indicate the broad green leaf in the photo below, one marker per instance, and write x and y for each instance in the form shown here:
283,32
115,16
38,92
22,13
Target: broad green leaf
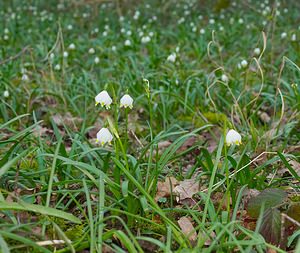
271,226
4,205
270,197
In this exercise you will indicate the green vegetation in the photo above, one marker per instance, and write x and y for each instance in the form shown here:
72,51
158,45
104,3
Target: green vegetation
160,169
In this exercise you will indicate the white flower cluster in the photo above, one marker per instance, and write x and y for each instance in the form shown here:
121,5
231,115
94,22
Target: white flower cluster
104,136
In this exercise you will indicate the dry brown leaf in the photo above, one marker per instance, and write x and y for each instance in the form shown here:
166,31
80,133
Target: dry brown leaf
164,189
186,189
294,164
188,229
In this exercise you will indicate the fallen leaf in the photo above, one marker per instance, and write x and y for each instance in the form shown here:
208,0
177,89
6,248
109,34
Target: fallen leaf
188,229
186,189
164,189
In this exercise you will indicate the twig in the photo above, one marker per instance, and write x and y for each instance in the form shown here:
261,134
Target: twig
15,56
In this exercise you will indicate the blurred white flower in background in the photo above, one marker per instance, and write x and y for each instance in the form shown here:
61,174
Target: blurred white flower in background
57,67
72,46
145,39
127,43
113,48
103,99
293,38
283,35
244,63
172,57
96,60
126,101
104,136
6,93
257,51
25,77
65,54
91,50
233,137
69,27
224,78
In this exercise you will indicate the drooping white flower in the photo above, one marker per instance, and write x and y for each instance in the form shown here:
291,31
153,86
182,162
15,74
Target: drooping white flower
145,39
104,136
293,38
127,43
283,35
244,63
257,51
72,46
103,99
57,67
96,60
233,137
91,50
224,78
114,48
6,93
25,77
172,57
126,101
202,31
70,27
65,54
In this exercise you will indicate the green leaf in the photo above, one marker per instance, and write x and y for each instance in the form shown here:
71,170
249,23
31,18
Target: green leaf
4,205
271,226
270,197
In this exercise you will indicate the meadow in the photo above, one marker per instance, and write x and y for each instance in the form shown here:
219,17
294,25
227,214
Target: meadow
149,126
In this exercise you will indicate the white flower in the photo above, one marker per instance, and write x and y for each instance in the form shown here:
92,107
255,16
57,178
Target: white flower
129,33
91,50
25,77
6,94
97,60
70,27
65,54
57,67
283,35
103,99
51,56
113,48
211,21
257,51
6,31
202,31
146,39
241,21
104,136
172,57
233,137
294,38
72,46
126,101
127,43
224,78
6,37
244,63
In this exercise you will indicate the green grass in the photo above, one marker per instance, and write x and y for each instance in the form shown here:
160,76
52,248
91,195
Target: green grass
57,183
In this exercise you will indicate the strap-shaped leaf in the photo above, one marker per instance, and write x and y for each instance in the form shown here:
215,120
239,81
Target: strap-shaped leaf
4,205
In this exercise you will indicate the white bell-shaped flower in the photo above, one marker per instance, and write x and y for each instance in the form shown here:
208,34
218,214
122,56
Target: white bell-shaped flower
104,136
244,63
224,78
257,51
233,137
172,57
126,101
103,99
